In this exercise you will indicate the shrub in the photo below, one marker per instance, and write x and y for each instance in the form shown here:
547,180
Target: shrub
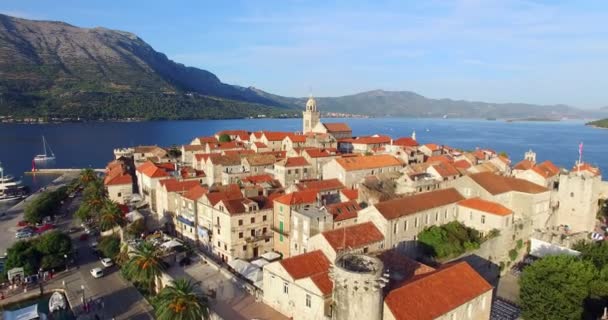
513,254
448,240
109,246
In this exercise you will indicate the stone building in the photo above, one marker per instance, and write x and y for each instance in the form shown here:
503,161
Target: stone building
311,116
578,198
352,170
359,238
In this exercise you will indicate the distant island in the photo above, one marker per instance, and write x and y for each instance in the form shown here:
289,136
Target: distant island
603,123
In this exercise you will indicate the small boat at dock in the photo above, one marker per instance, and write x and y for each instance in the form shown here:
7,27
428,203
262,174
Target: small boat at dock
45,156
57,302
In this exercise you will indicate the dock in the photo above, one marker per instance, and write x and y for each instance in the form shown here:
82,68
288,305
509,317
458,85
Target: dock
59,171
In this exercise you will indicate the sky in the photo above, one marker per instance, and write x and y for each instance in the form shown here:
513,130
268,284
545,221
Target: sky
542,52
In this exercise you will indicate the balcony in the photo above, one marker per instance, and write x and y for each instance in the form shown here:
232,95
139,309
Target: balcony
258,237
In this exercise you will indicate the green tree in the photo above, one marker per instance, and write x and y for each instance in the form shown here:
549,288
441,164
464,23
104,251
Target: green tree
44,205
23,254
136,228
449,240
87,176
145,264
181,301
93,200
54,243
109,246
110,216
594,252
555,288
224,138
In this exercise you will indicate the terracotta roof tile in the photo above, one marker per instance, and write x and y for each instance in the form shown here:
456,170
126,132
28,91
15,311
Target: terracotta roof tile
337,127
225,160
462,164
496,184
193,147
151,170
294,162
353,237
351,194
439,159
259,159
343,210
546,169
260,145
320,185
321,153
275,135
239,152
306,265
446,170
396,208
524,165
196,193
405,142
434,294
205,140
120,179
368,162
486,206
588,168
375,139
259,179
298,197
242,134
323,282
296,138
433,147
172,185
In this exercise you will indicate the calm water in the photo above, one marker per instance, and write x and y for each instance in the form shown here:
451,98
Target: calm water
91,144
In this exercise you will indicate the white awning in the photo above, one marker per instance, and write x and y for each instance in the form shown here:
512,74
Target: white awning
28,313
171,244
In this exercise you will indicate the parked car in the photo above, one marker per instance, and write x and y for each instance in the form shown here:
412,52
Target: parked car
45,227
24,234
97,272
22,223
107,262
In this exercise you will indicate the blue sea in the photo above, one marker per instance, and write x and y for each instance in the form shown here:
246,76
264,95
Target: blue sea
91,144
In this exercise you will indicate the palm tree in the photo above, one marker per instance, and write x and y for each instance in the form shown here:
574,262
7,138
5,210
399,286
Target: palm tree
145,264
86,176
181,301
110,216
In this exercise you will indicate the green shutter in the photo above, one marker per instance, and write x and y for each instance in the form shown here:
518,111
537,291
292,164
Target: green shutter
281,231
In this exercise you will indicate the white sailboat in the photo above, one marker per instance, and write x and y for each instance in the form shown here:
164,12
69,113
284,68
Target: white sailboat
45,156
11,188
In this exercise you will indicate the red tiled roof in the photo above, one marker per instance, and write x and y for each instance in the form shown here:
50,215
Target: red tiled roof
294,162
226,145
320,185
486,206
435,294
119,180
400,207
524,165
297,138
432,146
243,134
587,167
439,159
343,210
275,135
462,164
351,194
480,155
193,147
166,165
496,184
546,169
353,237
306,265
337,127
259,179
260,145
239,152
205,140
172,185
202,156
446,170
196,192
150,169
321,153
323,282
368,162
298,197
375,139
405,142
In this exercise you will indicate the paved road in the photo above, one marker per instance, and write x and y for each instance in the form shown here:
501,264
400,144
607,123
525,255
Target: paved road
121,300
8,222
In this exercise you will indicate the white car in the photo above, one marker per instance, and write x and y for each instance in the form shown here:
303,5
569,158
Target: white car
107,262
97,272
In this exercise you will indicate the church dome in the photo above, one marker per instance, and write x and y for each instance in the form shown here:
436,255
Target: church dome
311,104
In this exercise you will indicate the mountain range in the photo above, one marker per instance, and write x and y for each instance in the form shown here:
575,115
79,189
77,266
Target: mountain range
50,68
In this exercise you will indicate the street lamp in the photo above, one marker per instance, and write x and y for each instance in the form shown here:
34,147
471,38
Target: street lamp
65,257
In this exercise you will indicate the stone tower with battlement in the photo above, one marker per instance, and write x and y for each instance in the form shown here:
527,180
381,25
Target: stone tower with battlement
530,156
358,282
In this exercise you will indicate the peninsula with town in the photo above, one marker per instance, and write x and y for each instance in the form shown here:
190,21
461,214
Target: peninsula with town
324,224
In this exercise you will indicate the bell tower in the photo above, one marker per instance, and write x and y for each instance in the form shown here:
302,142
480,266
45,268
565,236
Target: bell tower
310,116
